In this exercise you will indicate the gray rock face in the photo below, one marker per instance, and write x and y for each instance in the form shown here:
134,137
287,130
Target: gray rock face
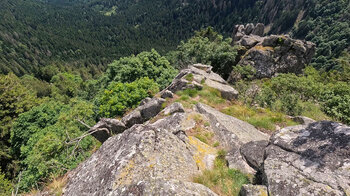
173,108
227,92
243,131
232,133
249,29
253,153
148,108
253,190
309,160
303,120
272,54
164,187
151,108
132,119
107,127
141,153
166,94
154,159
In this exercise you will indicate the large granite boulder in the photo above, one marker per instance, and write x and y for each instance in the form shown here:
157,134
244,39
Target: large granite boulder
174,108
148,109
150,159
232,134
105,128
271,55
309,160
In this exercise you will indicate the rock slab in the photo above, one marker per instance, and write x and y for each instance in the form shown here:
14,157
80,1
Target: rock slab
309,160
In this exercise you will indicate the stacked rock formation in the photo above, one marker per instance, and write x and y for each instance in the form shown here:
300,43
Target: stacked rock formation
270,55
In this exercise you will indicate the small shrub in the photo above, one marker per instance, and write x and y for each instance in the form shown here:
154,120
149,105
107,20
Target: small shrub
5,185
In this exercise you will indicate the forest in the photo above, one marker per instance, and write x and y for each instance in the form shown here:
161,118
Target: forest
65,65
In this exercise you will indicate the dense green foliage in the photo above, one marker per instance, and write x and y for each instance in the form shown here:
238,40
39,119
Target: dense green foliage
327,25
118,97
14,100
42,140
84,36
207,47
310,93
5,185
145,64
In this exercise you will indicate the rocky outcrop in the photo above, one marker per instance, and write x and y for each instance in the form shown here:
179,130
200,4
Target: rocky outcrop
271,55
309,160
199,74
144,160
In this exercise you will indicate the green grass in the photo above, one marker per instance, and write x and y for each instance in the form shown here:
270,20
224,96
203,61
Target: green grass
260,118
211,96
221,179
313,111
189,77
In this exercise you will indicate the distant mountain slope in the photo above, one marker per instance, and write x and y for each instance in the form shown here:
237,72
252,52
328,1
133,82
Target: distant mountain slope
92,33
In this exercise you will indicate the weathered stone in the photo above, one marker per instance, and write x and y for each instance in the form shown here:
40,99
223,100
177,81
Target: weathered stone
303,120
206,68
249,28
107,127
227,92
164,187
212,76
166,94
253,190
141,153
236,161
253,153
309,160
174,108
151,108
244,132
133,118
144,101
177,85
171,123
259,30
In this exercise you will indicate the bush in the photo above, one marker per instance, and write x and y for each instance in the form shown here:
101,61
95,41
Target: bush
336,101
145,64
5,185
119,97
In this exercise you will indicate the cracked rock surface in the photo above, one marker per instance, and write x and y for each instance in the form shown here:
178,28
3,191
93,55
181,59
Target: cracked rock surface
309,160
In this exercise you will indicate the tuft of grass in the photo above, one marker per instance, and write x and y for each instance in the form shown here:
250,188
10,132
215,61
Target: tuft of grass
189,77
57,185
211,96
221,179
216,144
259,117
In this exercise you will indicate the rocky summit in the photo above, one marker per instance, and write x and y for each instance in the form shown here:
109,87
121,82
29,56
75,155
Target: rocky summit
155,150
270,55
